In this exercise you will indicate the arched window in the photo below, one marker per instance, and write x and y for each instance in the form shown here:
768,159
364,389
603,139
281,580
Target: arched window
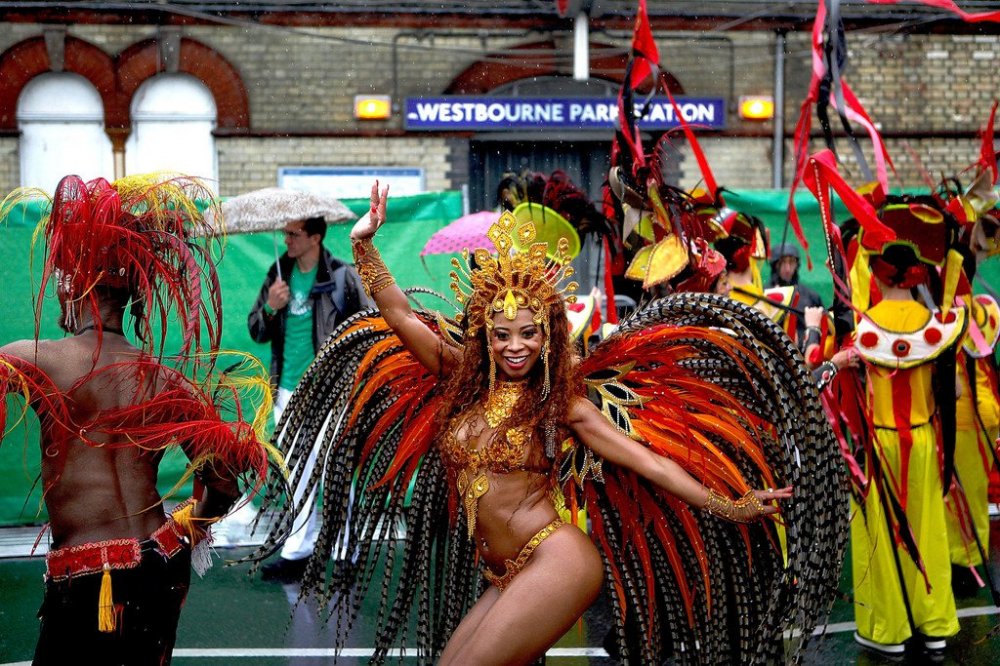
61,119
173,116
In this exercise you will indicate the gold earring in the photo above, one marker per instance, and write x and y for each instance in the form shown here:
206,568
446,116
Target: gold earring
493,369
546,383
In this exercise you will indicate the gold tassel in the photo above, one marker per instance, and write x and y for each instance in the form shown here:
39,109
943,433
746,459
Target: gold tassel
547,382
105,604
493,369
184,517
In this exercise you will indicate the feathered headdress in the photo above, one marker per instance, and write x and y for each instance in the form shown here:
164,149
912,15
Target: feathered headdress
133,235
975,207
514,278
678,232
556,205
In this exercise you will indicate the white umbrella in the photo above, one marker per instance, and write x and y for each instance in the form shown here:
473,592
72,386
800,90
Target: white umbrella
271,208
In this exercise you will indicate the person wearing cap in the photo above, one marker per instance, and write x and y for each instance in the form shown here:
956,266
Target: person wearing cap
307,293
785,262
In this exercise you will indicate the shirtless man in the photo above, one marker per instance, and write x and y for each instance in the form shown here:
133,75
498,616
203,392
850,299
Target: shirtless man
118,567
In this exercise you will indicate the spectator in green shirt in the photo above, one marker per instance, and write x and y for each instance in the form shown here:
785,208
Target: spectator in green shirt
307,293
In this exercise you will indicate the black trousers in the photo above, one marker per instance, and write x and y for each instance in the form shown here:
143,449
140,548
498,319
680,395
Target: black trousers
149,597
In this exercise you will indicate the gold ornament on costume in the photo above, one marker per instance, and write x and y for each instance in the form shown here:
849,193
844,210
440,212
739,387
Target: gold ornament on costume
471,489
512,280
502,454
371,269
500,403
744,510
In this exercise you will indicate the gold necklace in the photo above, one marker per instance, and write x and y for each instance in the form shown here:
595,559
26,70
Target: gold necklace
500,402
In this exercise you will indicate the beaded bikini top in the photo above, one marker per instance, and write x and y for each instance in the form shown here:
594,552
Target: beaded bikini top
502,454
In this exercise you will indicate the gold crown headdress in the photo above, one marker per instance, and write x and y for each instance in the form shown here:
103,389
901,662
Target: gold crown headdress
509,281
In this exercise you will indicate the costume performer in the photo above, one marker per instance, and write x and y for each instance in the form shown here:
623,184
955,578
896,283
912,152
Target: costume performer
471,431
118,566
978,426
978,408
901,338
901,452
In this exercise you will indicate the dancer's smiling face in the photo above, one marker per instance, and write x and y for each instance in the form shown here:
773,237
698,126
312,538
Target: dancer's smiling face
516,344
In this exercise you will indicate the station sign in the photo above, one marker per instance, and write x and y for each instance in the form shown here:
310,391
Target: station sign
459,112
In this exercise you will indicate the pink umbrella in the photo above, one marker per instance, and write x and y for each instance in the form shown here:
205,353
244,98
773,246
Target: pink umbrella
468,231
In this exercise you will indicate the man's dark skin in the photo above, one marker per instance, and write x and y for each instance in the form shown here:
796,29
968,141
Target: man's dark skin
100,493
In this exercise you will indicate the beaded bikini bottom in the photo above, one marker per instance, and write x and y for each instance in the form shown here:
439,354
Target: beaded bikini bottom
514,567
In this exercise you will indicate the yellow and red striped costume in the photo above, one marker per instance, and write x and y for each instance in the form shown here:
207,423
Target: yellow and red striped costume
978,425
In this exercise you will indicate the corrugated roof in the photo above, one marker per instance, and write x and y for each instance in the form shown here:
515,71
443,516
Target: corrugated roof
538,8
699,14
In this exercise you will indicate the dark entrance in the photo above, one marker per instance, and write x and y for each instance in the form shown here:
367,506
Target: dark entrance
585,162
584,156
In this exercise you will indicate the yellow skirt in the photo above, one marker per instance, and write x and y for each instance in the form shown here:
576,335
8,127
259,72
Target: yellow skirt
879,610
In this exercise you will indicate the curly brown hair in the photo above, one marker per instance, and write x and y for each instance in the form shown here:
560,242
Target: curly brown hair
468,384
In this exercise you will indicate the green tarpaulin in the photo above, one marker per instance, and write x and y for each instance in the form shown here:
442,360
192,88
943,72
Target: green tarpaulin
245,260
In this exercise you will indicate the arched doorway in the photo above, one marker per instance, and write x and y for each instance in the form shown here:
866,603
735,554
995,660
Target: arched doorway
173,117
61,119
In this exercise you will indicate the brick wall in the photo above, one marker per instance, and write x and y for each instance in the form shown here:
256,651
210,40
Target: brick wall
10,165
735,162
915,160
913,83
251,163
302,82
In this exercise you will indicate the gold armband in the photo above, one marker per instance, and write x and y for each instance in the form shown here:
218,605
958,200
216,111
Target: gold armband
744,510
374,275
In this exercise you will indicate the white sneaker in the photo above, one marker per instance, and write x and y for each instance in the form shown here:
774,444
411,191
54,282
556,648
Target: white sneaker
935,644
883,648
234,528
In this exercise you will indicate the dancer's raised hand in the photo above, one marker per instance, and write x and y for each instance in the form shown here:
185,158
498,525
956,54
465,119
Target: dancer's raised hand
375,217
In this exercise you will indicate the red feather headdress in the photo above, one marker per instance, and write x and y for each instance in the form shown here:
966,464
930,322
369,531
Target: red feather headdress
134,235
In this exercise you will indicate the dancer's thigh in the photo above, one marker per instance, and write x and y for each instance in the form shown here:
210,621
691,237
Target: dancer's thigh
470,623
560,581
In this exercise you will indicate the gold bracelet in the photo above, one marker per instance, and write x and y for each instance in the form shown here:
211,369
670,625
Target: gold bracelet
374,275
744,510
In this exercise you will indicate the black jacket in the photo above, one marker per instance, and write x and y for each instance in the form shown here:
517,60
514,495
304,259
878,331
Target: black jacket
336,295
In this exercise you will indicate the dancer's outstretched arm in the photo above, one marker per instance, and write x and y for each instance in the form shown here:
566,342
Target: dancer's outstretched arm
392,303
597,433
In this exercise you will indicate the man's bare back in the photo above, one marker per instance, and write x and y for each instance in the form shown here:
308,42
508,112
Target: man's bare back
95,493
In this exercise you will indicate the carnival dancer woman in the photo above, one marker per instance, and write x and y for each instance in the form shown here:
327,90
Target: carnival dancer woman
473,432
544,573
